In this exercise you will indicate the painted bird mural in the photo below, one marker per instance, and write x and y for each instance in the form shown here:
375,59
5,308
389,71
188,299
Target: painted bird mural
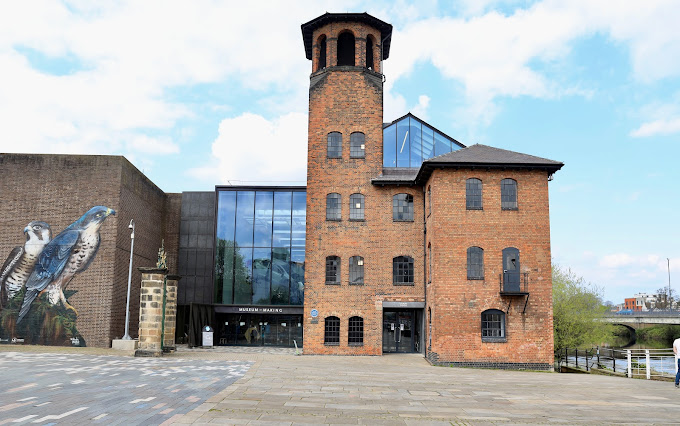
19,264
69,253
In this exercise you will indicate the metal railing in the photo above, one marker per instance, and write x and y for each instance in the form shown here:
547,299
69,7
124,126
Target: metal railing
504,279
638,363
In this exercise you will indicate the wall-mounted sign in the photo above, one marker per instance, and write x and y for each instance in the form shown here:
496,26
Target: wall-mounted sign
258,310
314,313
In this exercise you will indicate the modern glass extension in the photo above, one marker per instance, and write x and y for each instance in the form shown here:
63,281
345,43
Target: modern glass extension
409,141
260,247
259,266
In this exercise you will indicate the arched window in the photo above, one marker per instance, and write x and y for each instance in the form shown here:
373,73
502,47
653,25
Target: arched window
402,208
331,335
333,209
335,145
346,48
475,263
355,335
332,270
357,145
369,52
493,325
322,52
509,194
356,270
473,194
356,207
402,270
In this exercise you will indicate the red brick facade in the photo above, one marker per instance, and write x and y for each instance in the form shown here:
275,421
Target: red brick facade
348,99
456,303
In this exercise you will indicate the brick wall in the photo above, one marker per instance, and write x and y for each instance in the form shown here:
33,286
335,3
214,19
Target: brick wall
144,202
58,189
347,100
456,303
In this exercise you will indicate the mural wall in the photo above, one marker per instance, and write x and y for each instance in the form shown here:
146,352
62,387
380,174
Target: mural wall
34,306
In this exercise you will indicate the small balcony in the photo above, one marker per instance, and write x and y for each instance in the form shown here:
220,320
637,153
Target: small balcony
514,283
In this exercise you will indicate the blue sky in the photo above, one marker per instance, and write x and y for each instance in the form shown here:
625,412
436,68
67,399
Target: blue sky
206,92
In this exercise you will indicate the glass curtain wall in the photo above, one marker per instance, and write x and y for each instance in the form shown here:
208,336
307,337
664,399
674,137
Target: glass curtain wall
408,142
260,250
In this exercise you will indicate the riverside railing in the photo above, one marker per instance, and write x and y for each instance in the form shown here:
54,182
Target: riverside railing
638,363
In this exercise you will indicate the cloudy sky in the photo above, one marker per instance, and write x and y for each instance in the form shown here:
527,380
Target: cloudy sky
202,93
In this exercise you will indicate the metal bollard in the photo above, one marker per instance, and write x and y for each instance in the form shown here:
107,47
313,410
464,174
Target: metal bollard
647,363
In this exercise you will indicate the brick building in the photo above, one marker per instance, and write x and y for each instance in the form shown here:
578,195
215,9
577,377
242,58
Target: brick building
403,240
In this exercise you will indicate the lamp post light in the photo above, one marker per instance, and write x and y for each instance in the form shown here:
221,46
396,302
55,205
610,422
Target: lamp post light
127,306
670,301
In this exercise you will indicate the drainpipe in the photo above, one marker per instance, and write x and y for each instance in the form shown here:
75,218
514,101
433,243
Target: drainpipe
425,330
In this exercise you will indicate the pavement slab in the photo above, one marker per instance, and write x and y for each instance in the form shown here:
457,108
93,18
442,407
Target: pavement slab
276,387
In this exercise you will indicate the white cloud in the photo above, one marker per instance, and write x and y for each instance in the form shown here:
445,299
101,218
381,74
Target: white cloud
495,55
250,148
420,110
127,57
617,260
657,127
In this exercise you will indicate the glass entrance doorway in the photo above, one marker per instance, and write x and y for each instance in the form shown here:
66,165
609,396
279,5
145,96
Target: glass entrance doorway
401,331
259,330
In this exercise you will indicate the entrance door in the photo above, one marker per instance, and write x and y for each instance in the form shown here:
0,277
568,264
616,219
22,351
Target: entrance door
398,331
511,270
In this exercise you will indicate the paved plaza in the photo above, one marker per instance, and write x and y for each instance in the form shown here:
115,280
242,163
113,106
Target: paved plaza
236,386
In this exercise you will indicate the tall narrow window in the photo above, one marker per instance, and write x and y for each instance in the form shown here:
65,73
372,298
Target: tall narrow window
333,209
429,201
475,263
332,270
322,52
331,335
402,270
369,52
429,262
357,145
493,325
509,194
356,270
355,335
473,194
346,49
335,145
356,207
402,208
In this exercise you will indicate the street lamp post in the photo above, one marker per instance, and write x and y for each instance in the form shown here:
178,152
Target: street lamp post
127,306
669,282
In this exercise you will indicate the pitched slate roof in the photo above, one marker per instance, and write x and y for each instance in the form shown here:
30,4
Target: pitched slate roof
487,157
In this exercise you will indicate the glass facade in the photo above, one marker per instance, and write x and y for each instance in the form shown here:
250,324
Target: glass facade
260,247
408,142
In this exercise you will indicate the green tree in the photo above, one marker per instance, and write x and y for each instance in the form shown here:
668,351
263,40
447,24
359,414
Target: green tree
577,311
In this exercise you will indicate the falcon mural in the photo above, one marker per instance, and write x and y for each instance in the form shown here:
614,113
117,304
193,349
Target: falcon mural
69,253
20,262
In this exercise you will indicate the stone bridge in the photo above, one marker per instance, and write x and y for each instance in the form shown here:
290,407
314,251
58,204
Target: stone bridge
638,320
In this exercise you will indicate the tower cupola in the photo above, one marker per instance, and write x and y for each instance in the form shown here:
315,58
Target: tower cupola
346,39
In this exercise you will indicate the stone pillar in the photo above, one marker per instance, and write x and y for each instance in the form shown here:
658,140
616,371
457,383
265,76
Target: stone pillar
151,312
171,282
